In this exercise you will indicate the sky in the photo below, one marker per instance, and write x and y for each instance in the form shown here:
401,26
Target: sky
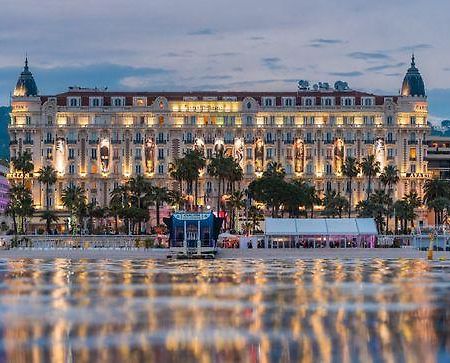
168,45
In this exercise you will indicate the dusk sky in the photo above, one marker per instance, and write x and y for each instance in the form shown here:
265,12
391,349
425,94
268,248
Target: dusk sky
226,45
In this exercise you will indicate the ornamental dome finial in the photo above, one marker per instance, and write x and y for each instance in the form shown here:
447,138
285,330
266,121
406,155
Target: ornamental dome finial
413,84
26,86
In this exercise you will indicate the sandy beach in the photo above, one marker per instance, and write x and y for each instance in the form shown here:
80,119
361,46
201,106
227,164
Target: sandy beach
126,254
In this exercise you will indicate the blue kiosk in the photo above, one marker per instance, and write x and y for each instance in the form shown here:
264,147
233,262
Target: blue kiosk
193,234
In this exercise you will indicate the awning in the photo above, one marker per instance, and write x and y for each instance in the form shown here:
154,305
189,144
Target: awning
320,226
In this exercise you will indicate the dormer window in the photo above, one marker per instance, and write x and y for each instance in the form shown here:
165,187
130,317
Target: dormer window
96,101
348,101
308,101
367,101
288,101
74,101
117,101
327,101
140,101
269,101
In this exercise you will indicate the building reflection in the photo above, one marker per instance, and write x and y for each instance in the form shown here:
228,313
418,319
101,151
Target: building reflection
221,311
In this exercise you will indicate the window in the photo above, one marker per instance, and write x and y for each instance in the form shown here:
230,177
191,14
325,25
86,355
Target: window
347,101
367,101
96,102
391,153
328,186
138,153
412,120
269,120
71,154
137,168
49,120
161,169
209,153
161,154
288,120
309,168
229,120
288,169
71,169
118,102
138,137
327,101
369,120
413,168
268,102
389,120
94,154
249,169
308,137
28,120
269,137
412,154
349,120
308,101
328,169
288,102
208,187
249,105
249,121
349,152
49,153
269,153
74,101
249,153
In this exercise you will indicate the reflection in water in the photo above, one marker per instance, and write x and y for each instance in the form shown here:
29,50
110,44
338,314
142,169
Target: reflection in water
224,310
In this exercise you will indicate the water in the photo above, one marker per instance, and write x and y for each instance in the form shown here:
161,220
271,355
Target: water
224,311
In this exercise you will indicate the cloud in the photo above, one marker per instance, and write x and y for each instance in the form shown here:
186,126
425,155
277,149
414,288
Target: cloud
204,31
224,54
446,69
237,69
385,66
272,63
392,74
321,42
257,38
368,55
412,48
56,79
217,78
177,54
346,74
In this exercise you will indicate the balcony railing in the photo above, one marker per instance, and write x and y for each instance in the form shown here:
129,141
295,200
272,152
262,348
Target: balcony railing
49,141
161,141
136,142
412,142
28,142
93,142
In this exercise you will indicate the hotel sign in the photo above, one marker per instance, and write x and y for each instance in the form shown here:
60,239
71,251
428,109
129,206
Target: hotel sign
191,216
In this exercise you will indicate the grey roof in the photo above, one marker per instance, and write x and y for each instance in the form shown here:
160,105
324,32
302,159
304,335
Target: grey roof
26,86
413,83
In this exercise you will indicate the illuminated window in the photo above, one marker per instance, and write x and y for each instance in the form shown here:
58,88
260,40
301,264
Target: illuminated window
161,120
412,153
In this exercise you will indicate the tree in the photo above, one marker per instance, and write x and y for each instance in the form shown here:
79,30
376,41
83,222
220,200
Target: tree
175,198
436,197
119,204
370,168
255,215
159,195
377,206
195,161
74,199
235,203
389,177
217,168
49,217
24,164
274,169
20,205
48,176
334,204
350,169
311,199
140,187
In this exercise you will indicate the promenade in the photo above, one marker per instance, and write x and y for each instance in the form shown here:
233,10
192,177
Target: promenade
264,254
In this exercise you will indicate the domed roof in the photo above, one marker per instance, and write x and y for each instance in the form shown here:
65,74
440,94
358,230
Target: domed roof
413,83
26,86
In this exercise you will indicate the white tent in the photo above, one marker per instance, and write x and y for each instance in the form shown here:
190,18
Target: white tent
320,227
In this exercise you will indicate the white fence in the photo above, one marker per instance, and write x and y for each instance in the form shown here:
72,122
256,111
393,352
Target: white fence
85,241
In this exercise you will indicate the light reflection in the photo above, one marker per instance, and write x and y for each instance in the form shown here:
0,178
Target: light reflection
224,310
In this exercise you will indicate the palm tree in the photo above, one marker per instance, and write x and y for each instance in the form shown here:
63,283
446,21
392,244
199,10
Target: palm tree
389,177
311,199
119,204
275,169
350,169
49,217
217,169
74,199
236,202
175,198
437,197
177,172
254,215
48,176
24,164
370,168
139,187
334,204
159,196
195,162
20,205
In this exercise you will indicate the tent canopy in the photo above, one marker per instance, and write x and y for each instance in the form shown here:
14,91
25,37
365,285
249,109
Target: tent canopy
322,226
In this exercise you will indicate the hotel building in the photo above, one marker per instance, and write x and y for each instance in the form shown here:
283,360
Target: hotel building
98,138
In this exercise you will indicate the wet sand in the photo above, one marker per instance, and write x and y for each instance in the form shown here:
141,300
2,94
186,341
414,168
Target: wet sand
264,254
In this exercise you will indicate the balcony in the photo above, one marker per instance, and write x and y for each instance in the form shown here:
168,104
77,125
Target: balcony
28,142
49,141
138,142
93,142
412,142
160,141
138,157
189,141
368,142
288,142
270,142
327,141
71,142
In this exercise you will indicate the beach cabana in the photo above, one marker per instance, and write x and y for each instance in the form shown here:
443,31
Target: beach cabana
320,232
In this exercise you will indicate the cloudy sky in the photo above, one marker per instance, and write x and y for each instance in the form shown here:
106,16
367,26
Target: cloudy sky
226,45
